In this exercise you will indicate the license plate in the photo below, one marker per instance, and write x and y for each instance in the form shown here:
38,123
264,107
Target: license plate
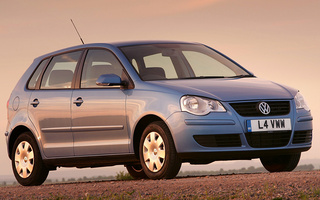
268,125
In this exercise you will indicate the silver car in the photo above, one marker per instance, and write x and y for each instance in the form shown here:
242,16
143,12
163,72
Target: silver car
150,106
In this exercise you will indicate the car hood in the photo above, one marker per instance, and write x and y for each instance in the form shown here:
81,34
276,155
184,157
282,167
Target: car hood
230,89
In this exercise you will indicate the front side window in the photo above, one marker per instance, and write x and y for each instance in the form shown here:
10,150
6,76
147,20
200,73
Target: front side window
180,61
59,73
97,63
34,79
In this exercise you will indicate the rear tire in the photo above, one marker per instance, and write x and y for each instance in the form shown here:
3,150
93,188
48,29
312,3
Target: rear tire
27,164
282,163
157,152
136,171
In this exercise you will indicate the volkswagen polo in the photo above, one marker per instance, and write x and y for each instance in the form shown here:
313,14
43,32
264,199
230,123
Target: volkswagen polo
150,106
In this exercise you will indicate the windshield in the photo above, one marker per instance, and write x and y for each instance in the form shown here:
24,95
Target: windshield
180,61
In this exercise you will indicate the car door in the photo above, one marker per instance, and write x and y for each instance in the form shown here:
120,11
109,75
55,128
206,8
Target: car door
98,112
49,105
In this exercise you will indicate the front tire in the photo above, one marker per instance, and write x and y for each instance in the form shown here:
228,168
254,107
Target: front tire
27,164
158,156
282,163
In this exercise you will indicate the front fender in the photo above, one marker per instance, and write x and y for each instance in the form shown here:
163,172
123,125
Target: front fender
142,103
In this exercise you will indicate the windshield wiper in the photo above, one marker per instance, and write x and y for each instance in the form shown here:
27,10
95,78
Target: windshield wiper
203,77
241,76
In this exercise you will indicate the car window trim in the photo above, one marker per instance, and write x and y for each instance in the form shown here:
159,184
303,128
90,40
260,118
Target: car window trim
40,75
45,68
77,84
76,81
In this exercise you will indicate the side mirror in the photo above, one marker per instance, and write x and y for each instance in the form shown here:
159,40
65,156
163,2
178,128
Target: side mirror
109,80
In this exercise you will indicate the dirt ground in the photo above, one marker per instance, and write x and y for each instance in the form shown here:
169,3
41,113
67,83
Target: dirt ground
285,185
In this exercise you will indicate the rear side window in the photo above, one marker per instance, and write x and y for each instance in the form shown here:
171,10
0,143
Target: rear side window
34,79
59,73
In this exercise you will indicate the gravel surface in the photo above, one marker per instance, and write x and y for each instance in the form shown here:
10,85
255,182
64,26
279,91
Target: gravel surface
285,185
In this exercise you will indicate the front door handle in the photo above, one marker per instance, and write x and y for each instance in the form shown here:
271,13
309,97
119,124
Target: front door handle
35,103
78,101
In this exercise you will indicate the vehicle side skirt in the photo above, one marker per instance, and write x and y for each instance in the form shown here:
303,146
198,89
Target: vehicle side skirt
91,161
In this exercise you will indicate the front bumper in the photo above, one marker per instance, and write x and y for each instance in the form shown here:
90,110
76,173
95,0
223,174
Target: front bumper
224,136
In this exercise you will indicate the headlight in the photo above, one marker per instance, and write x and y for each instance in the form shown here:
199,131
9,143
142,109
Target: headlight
300,102
200,106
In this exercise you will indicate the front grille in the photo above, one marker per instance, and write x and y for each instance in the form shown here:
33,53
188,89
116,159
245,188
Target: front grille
250,109
225,140
302,137
268,139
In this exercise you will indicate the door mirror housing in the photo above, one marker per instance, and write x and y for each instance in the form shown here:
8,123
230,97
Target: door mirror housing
110,80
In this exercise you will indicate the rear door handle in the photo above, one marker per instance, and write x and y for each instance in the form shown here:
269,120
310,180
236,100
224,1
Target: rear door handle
35,103
78,101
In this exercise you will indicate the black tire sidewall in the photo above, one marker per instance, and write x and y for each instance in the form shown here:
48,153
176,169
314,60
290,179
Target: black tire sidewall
39,172
136,171
281,163
171,162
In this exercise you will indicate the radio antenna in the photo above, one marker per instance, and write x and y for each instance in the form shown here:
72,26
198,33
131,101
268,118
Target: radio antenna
77,31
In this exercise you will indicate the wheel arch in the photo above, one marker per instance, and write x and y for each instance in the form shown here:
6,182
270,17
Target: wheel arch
15,133
141,125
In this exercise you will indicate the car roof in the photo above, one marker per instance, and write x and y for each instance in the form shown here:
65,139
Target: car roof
113,45
144,42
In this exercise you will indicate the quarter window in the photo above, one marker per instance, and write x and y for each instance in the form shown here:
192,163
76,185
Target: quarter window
34,79
59,73
99,62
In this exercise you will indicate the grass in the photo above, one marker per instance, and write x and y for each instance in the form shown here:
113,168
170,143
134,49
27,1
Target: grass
314,194
123,176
